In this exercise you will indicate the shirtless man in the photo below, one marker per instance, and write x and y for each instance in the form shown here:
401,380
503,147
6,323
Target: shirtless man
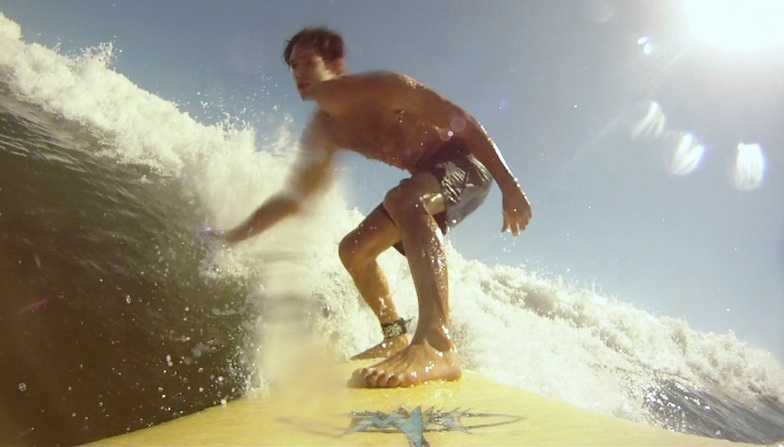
394,119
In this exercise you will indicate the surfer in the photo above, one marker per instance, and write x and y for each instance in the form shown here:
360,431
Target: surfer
392,118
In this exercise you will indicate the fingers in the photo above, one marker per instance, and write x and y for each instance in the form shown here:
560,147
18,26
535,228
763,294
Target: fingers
515,228
512,226
515,225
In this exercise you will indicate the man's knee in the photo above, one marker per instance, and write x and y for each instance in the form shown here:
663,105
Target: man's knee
356,250
405,198
348,251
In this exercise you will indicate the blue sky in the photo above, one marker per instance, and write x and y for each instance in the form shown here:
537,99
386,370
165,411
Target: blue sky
558,85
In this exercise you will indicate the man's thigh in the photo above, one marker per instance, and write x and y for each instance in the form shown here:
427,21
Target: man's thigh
421,189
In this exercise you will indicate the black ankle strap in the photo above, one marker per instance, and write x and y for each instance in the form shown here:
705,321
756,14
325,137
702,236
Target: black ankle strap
395,328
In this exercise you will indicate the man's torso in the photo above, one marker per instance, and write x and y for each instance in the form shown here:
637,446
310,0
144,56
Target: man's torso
378,131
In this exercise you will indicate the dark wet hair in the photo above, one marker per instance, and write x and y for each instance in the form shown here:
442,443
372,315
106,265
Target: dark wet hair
329,44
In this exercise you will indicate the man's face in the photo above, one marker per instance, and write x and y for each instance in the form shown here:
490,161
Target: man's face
308,68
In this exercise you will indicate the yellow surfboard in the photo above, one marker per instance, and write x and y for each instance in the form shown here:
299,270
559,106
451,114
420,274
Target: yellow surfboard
319,409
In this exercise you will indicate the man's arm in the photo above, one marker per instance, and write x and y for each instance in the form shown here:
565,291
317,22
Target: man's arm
434,108
310,175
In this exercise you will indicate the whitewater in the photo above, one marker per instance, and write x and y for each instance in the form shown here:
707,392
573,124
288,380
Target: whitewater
525,328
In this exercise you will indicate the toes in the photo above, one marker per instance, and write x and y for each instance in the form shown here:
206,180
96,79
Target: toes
374,378
371,378
379,381
393,381
359,378
390,380
368,378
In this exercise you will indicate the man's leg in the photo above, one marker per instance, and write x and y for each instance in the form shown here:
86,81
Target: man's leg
431,355
358,252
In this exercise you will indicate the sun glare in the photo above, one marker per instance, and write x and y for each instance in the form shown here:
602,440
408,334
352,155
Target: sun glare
737,24
749,169
686,156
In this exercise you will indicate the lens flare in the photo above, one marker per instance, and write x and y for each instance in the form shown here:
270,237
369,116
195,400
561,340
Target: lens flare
749,169
686,156
650,124
645,45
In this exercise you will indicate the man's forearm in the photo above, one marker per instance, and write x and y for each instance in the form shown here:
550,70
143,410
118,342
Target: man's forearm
483,148
268,214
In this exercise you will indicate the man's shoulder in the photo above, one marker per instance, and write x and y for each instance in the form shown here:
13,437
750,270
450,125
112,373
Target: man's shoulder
333,91
374,74
382,76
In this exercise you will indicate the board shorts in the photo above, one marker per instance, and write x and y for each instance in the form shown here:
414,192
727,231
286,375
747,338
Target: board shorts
465,183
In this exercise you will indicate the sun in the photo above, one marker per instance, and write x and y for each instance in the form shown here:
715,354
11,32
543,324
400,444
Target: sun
737,24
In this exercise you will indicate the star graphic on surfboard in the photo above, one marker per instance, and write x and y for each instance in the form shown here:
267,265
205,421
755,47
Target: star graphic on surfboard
414,424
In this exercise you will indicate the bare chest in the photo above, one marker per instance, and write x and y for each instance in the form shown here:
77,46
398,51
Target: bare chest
394,137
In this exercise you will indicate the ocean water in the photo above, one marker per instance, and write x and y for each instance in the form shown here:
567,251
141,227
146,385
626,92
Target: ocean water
115,314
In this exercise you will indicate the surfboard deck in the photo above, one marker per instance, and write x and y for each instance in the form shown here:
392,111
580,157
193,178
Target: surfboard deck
321,410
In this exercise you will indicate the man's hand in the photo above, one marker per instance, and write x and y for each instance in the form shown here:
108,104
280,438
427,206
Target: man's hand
517,211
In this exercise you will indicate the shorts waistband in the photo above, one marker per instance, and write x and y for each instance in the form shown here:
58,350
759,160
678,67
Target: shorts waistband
453,148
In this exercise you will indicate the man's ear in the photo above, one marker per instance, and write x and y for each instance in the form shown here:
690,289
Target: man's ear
337,66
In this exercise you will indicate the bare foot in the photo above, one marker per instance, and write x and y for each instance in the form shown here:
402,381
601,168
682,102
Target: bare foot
384,349
418,363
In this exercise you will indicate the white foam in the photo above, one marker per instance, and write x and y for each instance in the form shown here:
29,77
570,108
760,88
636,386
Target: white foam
561,340
9,29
